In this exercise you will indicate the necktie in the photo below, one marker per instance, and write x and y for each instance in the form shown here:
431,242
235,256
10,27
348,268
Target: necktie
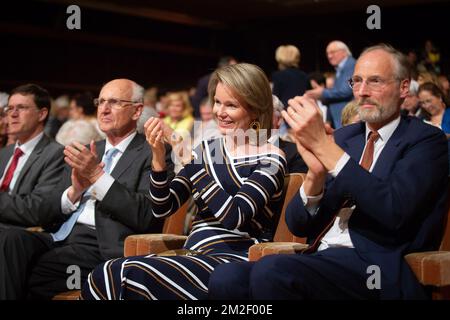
10,172
67,226
367,158
366,163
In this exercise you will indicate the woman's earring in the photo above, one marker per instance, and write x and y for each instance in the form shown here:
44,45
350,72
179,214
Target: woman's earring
254,133
255,125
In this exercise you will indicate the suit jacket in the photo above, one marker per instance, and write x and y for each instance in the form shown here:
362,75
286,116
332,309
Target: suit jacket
126,207
201,92
295,163
400,205
341,93
40,174
289,83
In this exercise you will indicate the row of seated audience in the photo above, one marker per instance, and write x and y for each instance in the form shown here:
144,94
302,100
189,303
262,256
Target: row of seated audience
374,190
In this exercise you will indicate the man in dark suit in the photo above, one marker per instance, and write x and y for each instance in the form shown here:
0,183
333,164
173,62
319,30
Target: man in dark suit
103,196
385,197
340,94
30,168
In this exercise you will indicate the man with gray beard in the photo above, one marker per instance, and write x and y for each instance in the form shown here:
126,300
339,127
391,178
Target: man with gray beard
374,192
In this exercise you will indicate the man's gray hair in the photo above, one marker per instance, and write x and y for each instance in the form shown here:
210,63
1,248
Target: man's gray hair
402,66
342,46
138,93
278,106
3,99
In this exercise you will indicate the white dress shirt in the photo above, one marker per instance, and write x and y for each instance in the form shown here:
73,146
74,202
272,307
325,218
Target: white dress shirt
27,148
338,235
99,189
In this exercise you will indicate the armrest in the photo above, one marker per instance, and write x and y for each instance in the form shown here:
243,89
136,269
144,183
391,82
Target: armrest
431,268
143,244
35,229
260,250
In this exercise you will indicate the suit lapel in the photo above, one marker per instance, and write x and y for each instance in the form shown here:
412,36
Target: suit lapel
389,154
100,148
132,151
31,159
7,154
355,145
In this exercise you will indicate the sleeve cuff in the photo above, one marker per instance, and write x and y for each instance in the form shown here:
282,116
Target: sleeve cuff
311,203
325,94
159,176
340,165
67,206
101,187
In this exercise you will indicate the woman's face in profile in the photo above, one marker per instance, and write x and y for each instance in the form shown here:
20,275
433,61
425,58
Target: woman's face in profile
230,114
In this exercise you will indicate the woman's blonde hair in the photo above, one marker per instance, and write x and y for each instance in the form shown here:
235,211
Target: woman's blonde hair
251,88
349,112
287,56
183,96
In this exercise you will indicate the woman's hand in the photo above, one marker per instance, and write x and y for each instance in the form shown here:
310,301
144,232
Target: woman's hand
155,137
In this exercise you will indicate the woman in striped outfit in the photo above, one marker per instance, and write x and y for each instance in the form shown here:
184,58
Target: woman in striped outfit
236,182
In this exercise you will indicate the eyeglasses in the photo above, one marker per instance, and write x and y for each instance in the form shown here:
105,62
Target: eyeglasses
20,108
113,103
373,83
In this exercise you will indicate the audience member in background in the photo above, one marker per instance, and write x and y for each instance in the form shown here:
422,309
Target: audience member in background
411,56
445,86
289,81
3,128
295,163
411,104
206,128
317,80
3,119
82,125
163,103
179,113
329,79
30,168
350,113
431,57
432,100
426,76
201,92
150,100
59,114
336,98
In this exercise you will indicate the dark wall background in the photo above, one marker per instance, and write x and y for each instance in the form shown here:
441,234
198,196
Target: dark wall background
37,47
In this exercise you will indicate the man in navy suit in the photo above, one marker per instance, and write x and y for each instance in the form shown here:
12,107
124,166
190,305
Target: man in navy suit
373,193
340,94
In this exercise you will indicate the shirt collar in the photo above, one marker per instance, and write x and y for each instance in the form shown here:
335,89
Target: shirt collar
341,64
29,146
122,145
386,131
274,136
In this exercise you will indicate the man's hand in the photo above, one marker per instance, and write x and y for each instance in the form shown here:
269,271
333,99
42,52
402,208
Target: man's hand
154,134
79,185
305,119
315,93
84,160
